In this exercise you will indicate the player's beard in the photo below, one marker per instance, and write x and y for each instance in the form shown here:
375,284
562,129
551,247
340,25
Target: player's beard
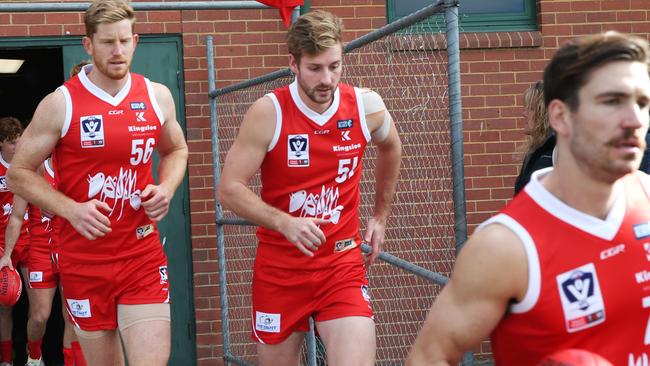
596,158
314,93
110,71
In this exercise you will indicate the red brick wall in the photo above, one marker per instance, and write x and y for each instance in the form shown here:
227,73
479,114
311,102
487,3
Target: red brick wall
496,69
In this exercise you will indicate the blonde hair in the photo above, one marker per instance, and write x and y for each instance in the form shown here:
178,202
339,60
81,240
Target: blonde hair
107,11
314,32
534,103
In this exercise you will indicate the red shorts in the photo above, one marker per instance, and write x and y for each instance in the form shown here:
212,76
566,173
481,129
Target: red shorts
93,291
42,271
284,299
20,255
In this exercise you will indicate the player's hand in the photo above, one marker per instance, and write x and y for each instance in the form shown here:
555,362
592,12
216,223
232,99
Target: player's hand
89,221
155,201
304,233
5,261
375,238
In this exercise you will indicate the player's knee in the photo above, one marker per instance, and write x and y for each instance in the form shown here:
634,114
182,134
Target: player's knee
39,318
39,315
150,359
91,335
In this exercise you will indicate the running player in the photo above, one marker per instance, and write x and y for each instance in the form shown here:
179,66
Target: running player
16,252
564,265
102,127
41,275
308,139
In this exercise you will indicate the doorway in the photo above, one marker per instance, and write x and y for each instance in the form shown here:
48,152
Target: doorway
47,64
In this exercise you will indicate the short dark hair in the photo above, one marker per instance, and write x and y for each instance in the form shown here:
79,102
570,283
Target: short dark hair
572,64
10,128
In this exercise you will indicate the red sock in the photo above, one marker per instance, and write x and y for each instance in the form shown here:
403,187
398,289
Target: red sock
6,350
68,357
34,348
79,359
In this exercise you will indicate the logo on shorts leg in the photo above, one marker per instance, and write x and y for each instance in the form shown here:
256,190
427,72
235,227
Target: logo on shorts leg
266,322
35,277
79,308
345,244
365,293
143,231
163,274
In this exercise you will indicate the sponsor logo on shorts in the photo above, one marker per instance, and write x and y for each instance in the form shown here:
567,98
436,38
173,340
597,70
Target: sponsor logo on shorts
298,151
138,106
582,300
92,131
35,276
143,231
641,230
79,308
365,293
163,274
343,245
267,322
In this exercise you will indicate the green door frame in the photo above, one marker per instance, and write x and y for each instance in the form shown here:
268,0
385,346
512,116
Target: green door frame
184,328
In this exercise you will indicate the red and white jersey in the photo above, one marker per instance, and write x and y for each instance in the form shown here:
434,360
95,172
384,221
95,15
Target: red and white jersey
588,279
7,203
40,224
312,169
105,153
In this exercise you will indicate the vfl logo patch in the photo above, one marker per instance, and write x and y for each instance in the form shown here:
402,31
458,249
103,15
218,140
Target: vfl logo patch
3,183
642,230
345,123
35,277
267,322
163,274
138,106
92,131
582,300
143,231
343,245
79,308
298,151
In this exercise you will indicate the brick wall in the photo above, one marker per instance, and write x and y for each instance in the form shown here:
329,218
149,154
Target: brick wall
496,69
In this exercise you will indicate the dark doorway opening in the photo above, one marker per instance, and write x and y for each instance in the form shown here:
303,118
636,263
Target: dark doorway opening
40,74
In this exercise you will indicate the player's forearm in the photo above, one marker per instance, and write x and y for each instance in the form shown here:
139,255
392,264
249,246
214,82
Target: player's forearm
418,357
36,190
171,169
12,232
386,176
239,199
